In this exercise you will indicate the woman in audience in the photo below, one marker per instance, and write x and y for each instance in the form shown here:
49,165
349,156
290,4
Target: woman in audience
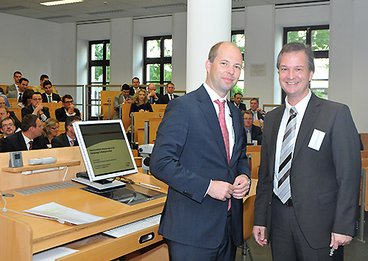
140,102
50,129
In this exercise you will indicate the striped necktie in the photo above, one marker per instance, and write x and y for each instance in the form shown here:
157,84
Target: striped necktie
282,179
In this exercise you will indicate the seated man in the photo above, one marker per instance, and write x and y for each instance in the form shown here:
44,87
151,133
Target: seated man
36,108
29,138
43,78
258,113
7,127
12,89
153,97
237,102
68,137
5,112
67,110
5,99
48,95
123,97
253,133
170,88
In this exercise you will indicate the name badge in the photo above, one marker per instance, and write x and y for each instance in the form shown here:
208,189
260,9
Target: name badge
316,139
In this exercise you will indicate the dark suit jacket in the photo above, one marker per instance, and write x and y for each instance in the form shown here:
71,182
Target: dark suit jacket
241,107
132,91
60,114
15,118
256,134
259,115
29,110
61,141
324,183
55,97
135,108
165,98
189,151
16,142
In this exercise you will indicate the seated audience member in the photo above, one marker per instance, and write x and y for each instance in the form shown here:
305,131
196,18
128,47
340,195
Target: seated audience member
29,138
43,78
7,127
170,88
36,108
13,88
18,93
258,113
26,98
5,100
5,113
252,132
67,110
135,86
238,102
50,130
153,97
48,95
123,97
68,138
140,102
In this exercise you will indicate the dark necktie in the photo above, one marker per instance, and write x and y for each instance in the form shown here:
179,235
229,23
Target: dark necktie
282,186
20,97
30,143
49,98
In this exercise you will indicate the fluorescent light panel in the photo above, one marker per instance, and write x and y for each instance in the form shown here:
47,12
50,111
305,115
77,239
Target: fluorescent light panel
61,2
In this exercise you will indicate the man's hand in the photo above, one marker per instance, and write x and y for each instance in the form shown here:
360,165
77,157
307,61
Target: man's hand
38,109
339,240
241,186
259,234
220,190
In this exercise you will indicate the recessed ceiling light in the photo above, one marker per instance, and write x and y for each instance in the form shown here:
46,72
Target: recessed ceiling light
61,2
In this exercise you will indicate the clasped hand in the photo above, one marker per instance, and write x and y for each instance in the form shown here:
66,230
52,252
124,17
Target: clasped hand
222,190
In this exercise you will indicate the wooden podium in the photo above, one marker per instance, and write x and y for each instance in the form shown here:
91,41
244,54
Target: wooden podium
24,235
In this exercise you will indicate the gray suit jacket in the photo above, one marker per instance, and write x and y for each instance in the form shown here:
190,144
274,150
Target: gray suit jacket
189,151
12,91
324,183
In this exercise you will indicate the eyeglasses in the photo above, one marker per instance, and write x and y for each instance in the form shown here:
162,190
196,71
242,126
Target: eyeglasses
7,125
37,99
68,102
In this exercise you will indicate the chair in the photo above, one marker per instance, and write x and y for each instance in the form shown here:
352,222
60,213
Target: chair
248,220
107,103
125,117
52,107
254,160
159,107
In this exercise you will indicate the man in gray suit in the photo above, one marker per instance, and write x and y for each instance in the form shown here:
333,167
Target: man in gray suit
12,89
308,188
200,153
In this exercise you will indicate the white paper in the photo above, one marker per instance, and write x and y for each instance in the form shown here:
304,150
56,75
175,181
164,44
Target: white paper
316,139
63,214
53,253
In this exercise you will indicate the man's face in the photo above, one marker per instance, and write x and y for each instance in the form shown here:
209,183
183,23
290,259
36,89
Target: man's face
294,75
36,100
17,77
70,129
67,103
223,73
48,89
38,130
126,93
253,105
23,86
3,113
248,120
8,127
135,83
170,88
151,88
44,79
2,102
237,99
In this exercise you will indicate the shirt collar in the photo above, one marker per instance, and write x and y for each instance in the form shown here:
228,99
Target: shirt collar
301,106
213,95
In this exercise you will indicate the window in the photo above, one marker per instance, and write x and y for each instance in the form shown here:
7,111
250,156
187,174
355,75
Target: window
238,37
98,73
157,54
318,37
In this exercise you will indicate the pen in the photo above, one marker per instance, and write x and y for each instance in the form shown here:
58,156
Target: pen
147,185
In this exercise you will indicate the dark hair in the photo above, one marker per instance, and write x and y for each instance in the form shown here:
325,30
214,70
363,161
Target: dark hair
254,99
47,82
66,96
238,93
23,79
125,87
249,112
28,121
135,78
27,94
5,119
297,47
37,93
17,72
170,83
43,76
69,120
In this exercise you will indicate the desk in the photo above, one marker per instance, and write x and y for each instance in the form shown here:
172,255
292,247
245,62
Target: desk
28,235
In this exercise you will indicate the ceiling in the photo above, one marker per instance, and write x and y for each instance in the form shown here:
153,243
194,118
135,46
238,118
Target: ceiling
92,10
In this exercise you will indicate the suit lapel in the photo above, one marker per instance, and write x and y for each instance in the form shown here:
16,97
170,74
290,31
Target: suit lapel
238,130
274,133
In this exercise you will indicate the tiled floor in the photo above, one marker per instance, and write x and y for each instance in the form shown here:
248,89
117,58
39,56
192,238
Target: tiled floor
356,251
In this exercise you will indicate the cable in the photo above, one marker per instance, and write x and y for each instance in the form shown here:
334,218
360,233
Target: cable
66,172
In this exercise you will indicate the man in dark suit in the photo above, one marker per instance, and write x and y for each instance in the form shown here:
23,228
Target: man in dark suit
258,113
200,153
308,187
135,86
252,132
67,110
170,88
36,108
27,139
48,95
68,138
237,101
153,96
